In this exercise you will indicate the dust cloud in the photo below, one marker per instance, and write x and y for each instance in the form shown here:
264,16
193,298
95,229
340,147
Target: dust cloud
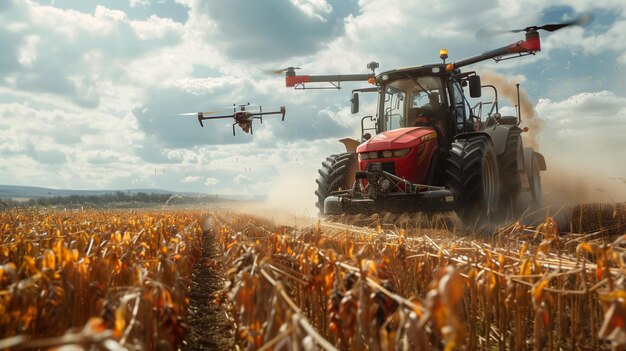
569,185
563,184
291,198
508,91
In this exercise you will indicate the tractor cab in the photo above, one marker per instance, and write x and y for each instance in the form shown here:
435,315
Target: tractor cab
424,96
412,103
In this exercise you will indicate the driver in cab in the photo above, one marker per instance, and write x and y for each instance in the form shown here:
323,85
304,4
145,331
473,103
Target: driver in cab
433,105
428,114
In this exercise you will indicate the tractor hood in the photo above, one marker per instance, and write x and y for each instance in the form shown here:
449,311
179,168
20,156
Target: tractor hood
395,139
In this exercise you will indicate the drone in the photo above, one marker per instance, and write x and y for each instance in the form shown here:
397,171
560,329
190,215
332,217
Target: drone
242,115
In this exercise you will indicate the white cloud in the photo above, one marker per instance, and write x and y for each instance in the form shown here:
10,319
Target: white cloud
598,42
243,179
155,27
73,24
313,8
29,52
134,3
211,182
109,14
192,179
585,129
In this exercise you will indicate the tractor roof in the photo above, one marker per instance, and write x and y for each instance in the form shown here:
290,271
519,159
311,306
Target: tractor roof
424,70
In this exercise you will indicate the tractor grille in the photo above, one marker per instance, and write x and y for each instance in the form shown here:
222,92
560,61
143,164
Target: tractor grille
389,167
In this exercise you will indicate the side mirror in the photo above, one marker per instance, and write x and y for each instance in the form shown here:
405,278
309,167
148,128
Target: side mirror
355,102
474,86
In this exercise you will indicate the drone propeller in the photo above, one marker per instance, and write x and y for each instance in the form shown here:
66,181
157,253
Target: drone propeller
228,109
225,109
196,113
280,70
582,20
247,105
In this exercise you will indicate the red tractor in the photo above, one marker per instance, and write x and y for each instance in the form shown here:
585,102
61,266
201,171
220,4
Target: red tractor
427,149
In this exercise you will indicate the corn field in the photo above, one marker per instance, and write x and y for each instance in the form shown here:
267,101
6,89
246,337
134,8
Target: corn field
338,287
111,280
121,280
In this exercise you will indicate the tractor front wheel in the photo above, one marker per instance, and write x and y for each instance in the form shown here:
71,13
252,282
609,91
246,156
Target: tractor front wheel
472,174
337,173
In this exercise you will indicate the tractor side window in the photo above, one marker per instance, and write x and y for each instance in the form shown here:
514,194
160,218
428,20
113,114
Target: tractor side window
459,105
394,108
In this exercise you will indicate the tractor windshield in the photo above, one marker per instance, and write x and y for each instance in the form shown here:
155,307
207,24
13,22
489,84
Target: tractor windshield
403,97
394,107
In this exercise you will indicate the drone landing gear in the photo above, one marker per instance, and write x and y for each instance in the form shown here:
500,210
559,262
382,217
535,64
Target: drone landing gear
247,125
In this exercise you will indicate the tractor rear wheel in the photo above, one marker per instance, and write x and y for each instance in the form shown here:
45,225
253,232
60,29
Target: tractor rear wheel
472,174
511,162
535,183
336,173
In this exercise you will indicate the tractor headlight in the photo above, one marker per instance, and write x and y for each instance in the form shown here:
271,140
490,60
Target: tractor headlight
401,152
384,154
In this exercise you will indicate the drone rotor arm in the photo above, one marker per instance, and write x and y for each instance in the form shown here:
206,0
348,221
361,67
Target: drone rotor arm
214,117
281,111
294,80
530,45
202,117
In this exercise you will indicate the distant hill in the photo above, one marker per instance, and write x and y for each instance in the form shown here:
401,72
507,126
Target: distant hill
32,192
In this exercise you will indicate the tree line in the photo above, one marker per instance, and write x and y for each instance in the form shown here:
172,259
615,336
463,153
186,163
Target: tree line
114,199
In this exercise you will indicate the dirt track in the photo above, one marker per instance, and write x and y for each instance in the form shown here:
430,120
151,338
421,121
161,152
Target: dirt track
209,328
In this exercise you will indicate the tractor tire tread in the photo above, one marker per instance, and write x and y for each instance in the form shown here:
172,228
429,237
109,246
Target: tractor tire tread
332,176
464,174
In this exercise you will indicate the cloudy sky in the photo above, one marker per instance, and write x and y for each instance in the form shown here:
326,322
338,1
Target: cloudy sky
89,89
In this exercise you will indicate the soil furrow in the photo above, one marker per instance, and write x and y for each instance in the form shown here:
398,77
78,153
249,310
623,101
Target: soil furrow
209,328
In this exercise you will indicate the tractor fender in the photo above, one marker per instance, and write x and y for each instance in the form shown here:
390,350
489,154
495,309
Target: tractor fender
534,175
471,134
350,144
542,161
499,135
528,159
